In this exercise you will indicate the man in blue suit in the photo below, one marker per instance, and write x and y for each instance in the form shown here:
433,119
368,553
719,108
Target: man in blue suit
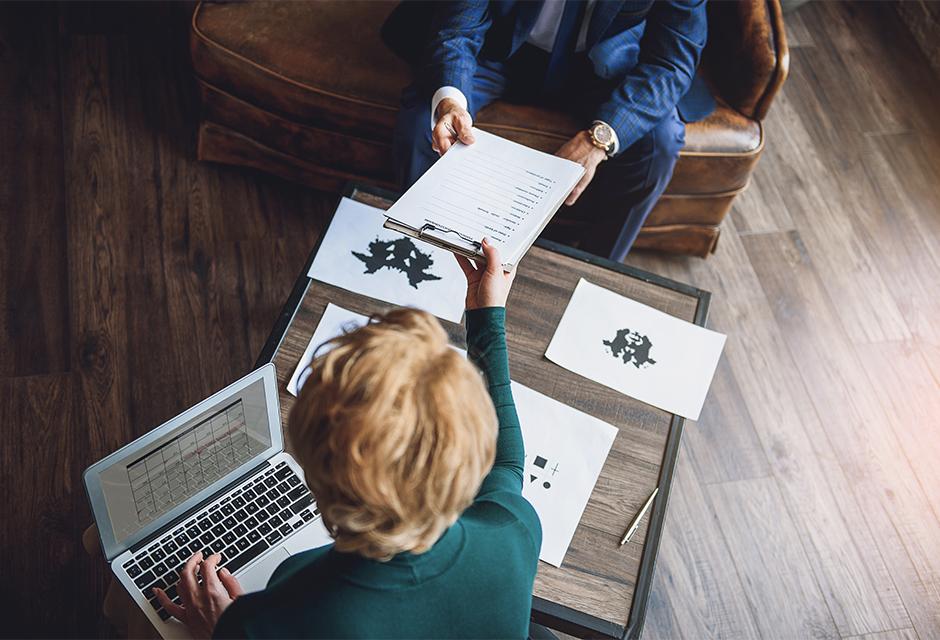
621,66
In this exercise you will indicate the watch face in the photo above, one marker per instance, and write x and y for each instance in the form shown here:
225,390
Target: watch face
603,134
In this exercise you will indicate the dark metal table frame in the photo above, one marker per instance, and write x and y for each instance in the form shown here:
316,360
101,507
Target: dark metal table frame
545,612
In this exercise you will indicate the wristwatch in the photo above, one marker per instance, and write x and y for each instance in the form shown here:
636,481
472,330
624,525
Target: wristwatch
602,137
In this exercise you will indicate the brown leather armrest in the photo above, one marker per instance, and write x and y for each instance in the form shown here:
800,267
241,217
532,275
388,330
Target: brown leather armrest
746,58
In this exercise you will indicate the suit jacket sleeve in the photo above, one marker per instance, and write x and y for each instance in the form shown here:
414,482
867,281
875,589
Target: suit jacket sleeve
457,33
670,50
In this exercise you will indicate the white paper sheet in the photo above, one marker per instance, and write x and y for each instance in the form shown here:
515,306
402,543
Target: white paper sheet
494,188
360,255
637,350
334,321
565,448
565,452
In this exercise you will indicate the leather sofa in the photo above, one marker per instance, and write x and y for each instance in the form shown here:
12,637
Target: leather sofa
308,91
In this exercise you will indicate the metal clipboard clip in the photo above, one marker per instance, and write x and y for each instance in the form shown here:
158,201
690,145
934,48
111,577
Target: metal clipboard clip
476,244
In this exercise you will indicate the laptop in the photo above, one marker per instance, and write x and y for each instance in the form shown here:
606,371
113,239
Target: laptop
214,479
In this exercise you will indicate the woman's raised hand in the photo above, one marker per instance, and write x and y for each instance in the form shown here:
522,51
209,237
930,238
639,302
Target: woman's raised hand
487,284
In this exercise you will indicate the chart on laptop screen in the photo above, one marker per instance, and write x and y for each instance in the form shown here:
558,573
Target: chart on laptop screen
189,462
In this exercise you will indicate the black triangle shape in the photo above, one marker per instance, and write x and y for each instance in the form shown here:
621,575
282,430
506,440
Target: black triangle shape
533,478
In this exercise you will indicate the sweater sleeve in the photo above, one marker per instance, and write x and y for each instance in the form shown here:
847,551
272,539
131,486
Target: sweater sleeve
231,623
486,347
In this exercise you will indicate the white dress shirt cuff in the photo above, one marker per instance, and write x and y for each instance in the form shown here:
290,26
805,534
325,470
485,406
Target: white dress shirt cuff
446,92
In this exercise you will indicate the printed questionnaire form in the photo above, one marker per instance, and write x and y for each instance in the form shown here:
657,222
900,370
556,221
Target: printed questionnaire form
493,188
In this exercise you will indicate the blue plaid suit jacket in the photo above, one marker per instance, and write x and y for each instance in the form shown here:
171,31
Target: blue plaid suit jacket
652,47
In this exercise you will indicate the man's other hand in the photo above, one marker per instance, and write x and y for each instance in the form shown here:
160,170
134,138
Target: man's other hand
580,149
453,123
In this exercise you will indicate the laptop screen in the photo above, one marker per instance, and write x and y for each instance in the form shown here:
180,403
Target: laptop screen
155,479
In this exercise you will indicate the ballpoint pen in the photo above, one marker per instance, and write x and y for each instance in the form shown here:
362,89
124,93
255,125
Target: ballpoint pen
635,523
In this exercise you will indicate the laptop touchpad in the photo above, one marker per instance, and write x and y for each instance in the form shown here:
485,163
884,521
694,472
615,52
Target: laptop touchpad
256,577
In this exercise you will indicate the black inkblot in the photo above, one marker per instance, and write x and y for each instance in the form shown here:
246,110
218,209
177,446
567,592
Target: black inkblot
401,255
631,347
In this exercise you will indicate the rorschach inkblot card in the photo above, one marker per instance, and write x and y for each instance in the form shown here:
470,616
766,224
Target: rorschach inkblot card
360,255
637,350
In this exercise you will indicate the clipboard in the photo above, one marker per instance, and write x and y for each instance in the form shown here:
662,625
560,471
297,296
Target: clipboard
494,187
469,249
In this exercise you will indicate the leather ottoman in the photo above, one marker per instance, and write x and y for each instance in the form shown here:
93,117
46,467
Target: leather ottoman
308,91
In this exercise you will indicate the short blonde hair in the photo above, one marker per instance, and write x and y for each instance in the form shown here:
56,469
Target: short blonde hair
395,431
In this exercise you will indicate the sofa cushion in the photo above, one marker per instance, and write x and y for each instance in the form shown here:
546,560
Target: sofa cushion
323,65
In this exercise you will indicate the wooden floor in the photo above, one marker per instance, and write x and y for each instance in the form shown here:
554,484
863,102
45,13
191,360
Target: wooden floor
135,281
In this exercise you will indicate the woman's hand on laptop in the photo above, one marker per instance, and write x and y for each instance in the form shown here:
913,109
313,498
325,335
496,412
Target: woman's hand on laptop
202,604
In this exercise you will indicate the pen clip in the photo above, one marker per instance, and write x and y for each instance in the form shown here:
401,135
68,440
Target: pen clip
437,227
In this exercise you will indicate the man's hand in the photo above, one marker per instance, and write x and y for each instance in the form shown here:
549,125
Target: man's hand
580,149
202,603
453,123
487,285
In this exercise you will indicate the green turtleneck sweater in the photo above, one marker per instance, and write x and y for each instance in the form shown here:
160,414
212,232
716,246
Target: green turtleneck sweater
476,581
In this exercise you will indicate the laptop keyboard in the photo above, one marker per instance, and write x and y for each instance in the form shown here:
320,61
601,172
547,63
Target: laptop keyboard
241,526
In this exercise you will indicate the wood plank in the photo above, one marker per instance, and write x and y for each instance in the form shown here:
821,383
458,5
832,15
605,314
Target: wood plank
787,423
839,72
34,335
888,69
660,617
770,560
47,508
798,33
908,389
860,431
898,230
697,590
826,223
95,152
762,207
838,26
725,426
158,192
913,168
895,634
908,256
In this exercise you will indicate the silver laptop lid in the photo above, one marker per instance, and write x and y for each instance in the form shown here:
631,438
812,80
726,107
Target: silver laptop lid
145,485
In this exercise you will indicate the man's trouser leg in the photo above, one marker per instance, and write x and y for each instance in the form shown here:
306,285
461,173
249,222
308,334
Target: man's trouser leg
625,189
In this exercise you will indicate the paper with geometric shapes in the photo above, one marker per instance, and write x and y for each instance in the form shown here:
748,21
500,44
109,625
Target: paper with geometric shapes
360,255
334,322
565,452
637,350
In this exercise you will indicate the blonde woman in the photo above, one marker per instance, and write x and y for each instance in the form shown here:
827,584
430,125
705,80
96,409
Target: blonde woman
416,460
